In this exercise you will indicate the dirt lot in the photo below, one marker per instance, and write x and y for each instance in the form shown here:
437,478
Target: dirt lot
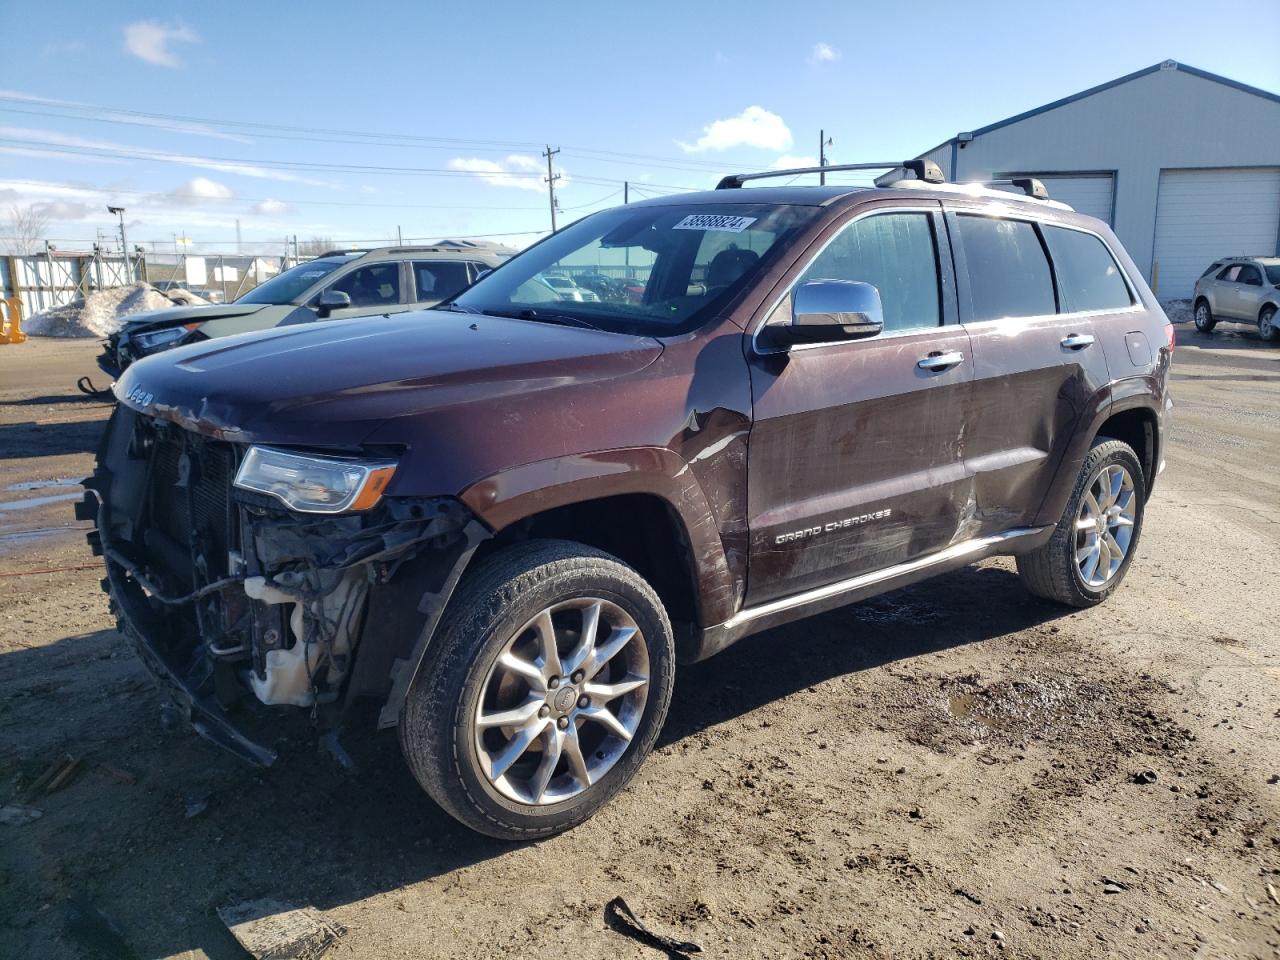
952,770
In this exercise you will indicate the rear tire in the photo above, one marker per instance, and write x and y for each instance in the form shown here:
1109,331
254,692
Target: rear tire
1101,525
516,744
1204,319
1267,328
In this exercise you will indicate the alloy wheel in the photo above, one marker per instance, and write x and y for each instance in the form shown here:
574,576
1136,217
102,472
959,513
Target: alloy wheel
1104,527
562,702
1202,317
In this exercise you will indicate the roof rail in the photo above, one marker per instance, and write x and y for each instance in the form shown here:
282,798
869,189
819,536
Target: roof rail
1028,185
925,170
342,253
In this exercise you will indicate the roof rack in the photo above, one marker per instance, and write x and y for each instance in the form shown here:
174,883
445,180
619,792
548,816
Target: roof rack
343,253
925,170
1028,185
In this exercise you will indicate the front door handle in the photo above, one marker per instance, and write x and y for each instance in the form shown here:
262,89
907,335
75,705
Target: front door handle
1077,341
940,361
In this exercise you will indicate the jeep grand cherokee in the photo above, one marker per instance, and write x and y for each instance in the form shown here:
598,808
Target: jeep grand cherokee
505,527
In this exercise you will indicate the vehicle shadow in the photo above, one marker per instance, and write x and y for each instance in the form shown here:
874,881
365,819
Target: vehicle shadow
306,832
30,439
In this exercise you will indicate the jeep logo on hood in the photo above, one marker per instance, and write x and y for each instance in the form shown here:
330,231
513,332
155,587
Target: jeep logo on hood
140,396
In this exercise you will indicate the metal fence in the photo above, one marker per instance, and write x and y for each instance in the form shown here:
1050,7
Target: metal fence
43,281
56,277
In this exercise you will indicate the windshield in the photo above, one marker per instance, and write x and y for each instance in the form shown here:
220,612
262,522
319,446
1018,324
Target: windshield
648,270
1273,272
288,286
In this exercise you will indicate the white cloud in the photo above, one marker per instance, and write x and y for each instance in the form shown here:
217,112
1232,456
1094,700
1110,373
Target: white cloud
63,209
270,207
790,161
518,171
823,53
49,141
175,126
202,188
753,127
149,40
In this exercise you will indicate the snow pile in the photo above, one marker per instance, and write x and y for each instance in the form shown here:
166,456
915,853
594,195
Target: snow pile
1178,311
100,314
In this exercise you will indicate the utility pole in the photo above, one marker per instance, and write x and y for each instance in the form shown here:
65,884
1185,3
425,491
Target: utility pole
823,143
239,244
551,179
626,191
399,236
124,245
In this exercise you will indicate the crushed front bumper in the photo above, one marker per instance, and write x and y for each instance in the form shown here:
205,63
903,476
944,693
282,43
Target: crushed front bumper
253,586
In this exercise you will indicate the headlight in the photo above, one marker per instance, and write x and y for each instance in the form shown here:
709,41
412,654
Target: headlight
149,341
312,484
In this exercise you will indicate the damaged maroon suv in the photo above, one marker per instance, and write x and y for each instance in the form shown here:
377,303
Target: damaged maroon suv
499,525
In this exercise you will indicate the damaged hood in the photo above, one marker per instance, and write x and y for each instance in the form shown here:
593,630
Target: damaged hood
332,384
175,316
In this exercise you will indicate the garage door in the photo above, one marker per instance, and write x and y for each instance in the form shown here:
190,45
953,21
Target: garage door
1087,193
1202,215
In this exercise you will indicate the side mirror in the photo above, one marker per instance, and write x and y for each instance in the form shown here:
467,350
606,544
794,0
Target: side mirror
330,301
830,310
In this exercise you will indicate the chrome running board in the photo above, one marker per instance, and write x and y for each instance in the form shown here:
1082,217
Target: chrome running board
951,554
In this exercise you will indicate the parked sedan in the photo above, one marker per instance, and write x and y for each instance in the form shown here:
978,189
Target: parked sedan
343,283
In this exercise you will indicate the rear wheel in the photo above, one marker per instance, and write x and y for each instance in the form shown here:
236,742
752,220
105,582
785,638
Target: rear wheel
1091,548
1204,317
1267,327
543,691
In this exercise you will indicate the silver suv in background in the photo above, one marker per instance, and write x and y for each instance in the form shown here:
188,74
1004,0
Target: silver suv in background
335,285
1239,290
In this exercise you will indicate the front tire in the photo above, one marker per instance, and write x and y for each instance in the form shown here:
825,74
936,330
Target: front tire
542,693
1091,548
1267,327
1204,317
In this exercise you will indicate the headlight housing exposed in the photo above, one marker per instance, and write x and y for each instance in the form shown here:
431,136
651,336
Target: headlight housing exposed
163,338
313,484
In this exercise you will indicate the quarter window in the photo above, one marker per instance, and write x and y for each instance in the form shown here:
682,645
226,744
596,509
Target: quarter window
897,254
1088,276
1008,271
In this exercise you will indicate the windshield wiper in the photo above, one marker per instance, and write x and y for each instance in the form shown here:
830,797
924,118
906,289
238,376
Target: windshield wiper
566,319
456,308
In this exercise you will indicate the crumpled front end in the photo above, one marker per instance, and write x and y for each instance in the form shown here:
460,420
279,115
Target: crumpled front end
239,604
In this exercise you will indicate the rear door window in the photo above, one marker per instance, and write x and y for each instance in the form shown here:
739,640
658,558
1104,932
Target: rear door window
377,285
1088,276
898,255
1008,271
1231,274
439,279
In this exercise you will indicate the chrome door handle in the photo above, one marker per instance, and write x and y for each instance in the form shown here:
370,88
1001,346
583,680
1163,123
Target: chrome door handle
940,361
1077,341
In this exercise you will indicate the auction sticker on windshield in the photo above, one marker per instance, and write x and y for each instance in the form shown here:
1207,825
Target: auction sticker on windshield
714,221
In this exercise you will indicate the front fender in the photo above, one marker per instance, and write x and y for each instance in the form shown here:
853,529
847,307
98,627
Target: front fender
513,495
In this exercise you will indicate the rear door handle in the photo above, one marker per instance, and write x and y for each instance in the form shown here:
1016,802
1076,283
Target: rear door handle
1077,341
940,361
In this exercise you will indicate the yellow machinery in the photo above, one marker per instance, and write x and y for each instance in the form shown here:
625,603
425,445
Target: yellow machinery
11,321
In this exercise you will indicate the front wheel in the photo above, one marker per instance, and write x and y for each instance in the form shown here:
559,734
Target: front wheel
1267,328
1204,318
1089,553
543,691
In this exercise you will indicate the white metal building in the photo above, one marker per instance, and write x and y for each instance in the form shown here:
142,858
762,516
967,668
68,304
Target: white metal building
1184,165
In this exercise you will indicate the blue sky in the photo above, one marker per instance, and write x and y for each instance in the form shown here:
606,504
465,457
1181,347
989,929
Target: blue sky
296,105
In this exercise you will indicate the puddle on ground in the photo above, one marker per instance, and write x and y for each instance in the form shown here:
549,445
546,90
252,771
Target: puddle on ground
26,485
30,503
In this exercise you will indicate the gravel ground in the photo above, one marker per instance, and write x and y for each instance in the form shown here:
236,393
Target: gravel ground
955,769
